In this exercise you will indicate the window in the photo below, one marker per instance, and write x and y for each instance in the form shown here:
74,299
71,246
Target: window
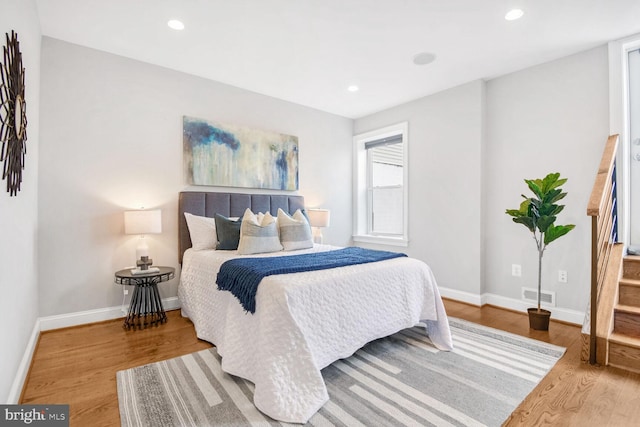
385,167
381,171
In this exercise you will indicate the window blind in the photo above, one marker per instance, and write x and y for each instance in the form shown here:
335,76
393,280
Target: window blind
386,150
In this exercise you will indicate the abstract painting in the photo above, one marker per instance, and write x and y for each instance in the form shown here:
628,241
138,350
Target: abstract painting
236,156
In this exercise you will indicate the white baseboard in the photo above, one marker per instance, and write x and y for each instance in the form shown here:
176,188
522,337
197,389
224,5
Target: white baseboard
23,368
559,313
92,316
462,296
64,321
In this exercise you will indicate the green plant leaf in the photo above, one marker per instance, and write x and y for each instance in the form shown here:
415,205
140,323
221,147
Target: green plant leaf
526,221
551,195
539,213
544,222
548,195
557,183
550,182
533,212
560,196
546,209
514,212
556,231
522,211
535,186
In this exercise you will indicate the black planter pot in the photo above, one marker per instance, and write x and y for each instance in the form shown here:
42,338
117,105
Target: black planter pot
539,320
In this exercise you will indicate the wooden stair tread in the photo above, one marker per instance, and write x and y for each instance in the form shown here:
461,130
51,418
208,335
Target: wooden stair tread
627,309
630,282
625,340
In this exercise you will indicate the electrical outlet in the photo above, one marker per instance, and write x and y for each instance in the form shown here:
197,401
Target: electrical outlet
126,291
562,276
516,270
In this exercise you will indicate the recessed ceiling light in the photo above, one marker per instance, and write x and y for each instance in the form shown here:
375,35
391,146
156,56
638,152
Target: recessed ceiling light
353,88
174,24
514,14
424,58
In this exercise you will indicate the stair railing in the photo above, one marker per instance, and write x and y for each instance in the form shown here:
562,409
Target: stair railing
603,210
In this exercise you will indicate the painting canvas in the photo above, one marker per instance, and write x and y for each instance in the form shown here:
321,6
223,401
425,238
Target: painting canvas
236,156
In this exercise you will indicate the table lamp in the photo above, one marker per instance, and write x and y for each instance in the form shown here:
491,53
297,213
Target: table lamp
318,218
143,222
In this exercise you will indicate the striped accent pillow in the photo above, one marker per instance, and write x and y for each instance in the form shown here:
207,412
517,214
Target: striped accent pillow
295,232
258,236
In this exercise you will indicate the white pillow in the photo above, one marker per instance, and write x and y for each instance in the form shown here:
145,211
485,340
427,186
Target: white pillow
202,231
258,236
260,217
295,232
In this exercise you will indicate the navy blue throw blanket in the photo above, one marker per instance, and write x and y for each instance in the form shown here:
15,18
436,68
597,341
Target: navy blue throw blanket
242,276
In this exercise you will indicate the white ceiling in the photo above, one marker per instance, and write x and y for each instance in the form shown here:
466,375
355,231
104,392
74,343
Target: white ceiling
310,51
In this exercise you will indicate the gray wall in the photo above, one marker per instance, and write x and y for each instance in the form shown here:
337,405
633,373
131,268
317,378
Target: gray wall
549,118
472,146
445,149
18,214
112,141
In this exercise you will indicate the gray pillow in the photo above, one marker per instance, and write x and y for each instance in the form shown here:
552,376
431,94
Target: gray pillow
228,231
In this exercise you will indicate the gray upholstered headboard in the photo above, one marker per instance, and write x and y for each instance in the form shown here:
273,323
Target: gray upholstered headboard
230,205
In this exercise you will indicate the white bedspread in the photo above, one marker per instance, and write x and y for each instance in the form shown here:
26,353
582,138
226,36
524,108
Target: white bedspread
306,321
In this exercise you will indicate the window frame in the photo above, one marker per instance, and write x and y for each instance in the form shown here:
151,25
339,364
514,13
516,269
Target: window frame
361,207
619,124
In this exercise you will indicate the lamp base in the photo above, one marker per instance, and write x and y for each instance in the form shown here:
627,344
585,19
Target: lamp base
317,235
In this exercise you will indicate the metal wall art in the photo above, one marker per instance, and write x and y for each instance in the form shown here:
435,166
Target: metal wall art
13,115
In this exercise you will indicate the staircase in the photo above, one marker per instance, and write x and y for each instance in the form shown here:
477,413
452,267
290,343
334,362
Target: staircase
606,261
611,332
624,341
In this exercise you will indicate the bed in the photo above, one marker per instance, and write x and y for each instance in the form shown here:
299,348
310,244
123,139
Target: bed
304,321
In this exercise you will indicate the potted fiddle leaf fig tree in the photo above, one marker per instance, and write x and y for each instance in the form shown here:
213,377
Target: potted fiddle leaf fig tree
538,214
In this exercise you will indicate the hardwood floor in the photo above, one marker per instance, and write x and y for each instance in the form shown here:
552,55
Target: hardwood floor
77,366
573,393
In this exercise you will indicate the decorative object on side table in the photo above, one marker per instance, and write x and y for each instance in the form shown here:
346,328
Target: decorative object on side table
538,214
13,124
318,218
145,308
143,222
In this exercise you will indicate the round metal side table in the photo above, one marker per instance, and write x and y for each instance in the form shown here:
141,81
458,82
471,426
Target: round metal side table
145,308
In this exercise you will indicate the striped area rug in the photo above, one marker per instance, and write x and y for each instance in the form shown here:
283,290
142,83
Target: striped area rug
393,381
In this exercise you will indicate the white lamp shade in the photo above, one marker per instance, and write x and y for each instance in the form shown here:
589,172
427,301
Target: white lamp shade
143,222
319,217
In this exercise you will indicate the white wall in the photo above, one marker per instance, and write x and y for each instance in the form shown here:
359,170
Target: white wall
112,140
549,118
445,150
18,214
472,146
